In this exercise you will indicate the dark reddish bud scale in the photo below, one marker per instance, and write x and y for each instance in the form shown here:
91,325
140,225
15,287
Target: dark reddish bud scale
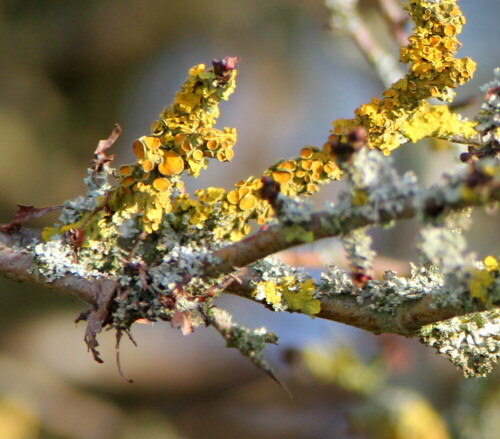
342,151
477,178
224,66
492,92
269,190
432,208
357,138
466,157
360,278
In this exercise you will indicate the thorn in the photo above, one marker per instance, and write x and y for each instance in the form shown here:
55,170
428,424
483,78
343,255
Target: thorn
117,351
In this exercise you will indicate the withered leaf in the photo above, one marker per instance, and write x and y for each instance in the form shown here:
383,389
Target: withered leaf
25,213
97,317
182,320
100,156
103,145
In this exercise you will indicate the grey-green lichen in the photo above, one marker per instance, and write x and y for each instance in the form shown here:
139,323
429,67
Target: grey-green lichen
384,295
373,183
444,247
250,343
471,342
489,116
55,259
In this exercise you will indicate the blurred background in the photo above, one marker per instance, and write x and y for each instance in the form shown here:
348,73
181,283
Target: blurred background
68,72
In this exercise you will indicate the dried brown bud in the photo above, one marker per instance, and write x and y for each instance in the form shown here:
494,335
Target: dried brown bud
491,92
75,238
360,278
342,151
357,138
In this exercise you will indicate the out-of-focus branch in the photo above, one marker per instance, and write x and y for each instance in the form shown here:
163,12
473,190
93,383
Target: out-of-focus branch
345,18
395,18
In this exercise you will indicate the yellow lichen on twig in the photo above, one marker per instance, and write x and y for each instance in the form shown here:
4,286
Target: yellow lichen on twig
301,175
402,114
182,140
289,293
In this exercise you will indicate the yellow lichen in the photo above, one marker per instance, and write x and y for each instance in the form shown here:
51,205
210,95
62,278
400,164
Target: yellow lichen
183,139
482,279
272,292
436,121
161,184
297,296
172,164
433,73
491,263
301,298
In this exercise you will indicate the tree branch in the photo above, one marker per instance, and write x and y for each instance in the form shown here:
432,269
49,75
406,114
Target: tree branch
17,264
406,318
339,220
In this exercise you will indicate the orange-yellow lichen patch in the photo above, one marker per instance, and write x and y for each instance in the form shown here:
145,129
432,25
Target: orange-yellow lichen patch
212,144
449,30
185,146
306,153
161,184
172,163
178,138
233,197
229,154
151,142
125,170
147,165
138,148
197,155
158,127
127,181
247,203
433,73
282,177
288,165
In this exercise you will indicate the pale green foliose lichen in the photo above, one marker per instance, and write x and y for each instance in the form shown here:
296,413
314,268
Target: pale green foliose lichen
284,288
373,182
471,342
489,116
383,295
55,260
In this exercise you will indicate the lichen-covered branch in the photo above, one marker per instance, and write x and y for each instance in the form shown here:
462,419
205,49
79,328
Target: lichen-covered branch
378,306
400,199
145,249
403,114
17,263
